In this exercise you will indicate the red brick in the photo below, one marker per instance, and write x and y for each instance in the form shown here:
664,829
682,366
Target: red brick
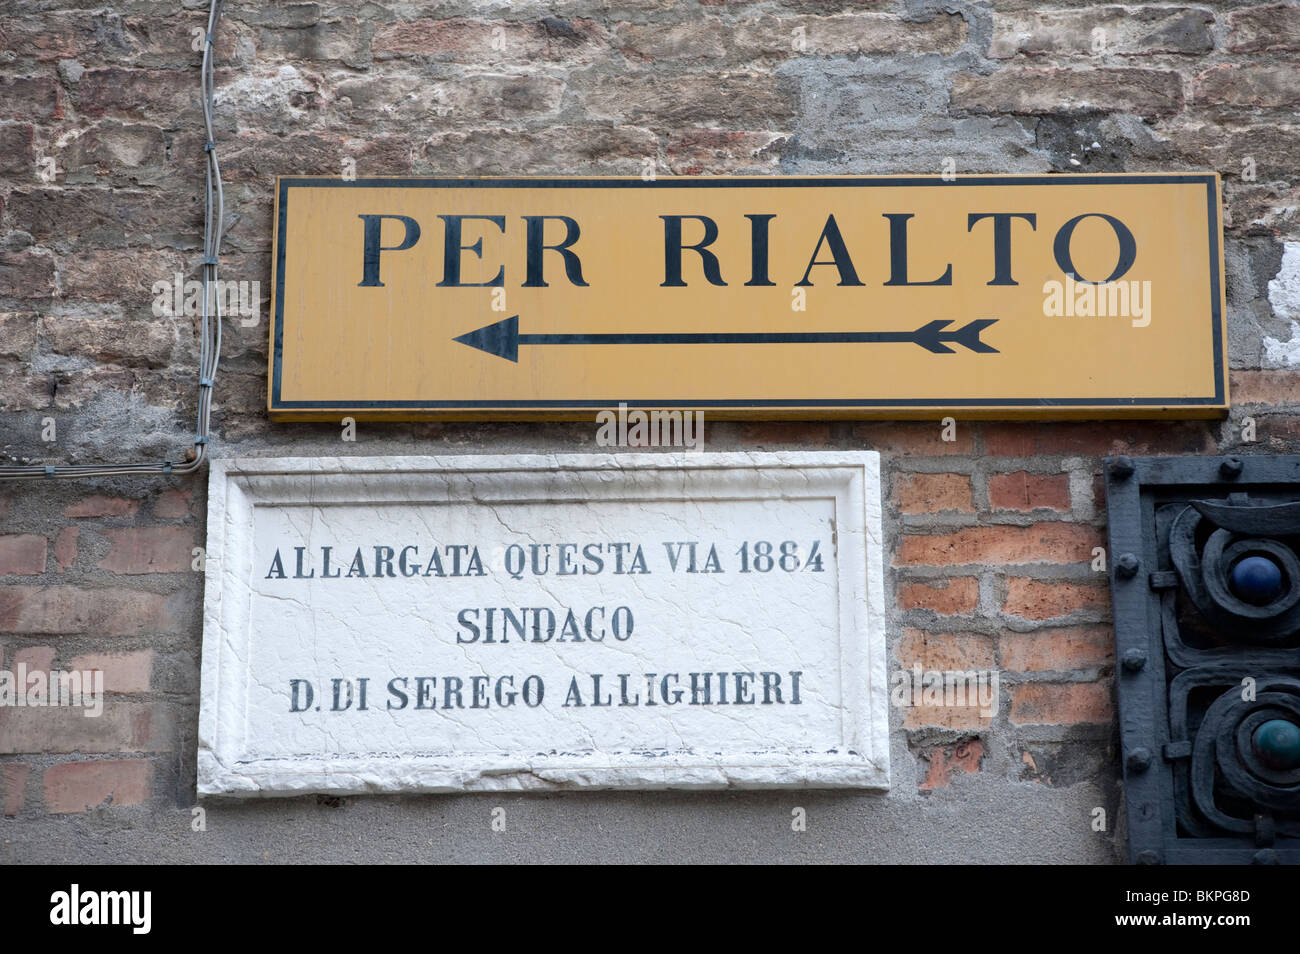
123,726
1066,648
496,150
1267,29
696,41
109,275
123,672
485,97
20,391
152,40
471,41
172,504
30,98
917,439
64,610
137,93
945,597
35,658
79,786
65,547
117,152
1071,703
1035,599
431,37
19,333
1096,439
1144,30
98,505
1253,85
748,99
328,39
22,554
700,151
251,157
96,219
769,38
1047,91
69,37
149,550
1025,491
1274,433
944,651
1273,388
958,718
13,786
102,34
933,493
1040,543
810,434
27,274
946,761
18,151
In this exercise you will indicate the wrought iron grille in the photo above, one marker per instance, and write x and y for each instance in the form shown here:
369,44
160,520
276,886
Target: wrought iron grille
1205,577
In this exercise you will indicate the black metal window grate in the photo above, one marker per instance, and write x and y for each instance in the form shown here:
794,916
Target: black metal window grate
1205,576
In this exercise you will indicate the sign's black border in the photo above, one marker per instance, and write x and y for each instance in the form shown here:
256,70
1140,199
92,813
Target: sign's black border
284,184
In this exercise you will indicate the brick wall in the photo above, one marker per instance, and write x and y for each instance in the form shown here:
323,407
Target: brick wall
990,536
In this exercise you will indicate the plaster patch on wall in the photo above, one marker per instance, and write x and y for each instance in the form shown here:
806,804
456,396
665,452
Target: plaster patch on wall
1284,295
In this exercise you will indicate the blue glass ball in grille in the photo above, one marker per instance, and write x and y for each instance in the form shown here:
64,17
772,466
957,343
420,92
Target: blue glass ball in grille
1256,580
1277,743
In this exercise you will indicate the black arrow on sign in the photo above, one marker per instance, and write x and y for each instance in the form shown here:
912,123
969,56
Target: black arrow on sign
503,338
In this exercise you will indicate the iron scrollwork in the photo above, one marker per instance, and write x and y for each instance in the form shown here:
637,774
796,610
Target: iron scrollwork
1206,586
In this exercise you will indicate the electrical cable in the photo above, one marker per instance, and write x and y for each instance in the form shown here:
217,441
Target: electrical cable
210,327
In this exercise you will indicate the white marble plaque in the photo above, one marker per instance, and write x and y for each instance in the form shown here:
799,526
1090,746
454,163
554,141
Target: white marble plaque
471,623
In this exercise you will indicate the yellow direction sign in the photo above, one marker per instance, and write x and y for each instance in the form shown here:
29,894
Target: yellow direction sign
982,296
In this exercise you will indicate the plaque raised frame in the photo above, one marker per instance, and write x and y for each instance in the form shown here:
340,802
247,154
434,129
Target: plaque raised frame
258,632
